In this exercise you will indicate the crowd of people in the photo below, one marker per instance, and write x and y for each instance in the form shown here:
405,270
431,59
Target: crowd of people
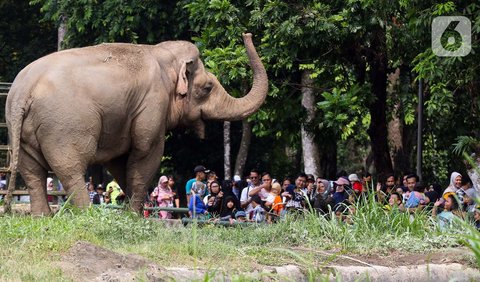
260,197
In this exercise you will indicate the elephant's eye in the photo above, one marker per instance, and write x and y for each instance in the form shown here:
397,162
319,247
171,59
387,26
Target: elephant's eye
208,87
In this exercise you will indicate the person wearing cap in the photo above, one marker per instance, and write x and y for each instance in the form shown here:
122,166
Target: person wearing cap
196,182
98,198
340,194
309,189
240,216
356,184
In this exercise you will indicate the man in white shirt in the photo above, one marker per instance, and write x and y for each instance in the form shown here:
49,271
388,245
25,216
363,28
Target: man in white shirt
245,198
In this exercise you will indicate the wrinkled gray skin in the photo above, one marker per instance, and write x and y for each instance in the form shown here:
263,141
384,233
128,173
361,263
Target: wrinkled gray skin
111,104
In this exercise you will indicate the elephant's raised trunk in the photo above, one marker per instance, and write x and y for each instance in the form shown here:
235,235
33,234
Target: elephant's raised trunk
222,106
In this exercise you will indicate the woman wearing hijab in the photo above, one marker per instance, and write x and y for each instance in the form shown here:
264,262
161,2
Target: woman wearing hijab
164,196
455,183
214,200
323,199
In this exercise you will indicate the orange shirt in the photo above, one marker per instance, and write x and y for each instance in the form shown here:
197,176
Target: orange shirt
277,204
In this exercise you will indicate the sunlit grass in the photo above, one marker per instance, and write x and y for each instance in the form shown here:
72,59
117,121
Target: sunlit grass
33,245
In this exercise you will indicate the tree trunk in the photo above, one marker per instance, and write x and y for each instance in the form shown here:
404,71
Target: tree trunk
226,151
395,127
310,150
244,146
62,30
378,131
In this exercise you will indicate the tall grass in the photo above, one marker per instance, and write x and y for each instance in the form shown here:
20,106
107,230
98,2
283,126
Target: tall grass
472,235
30,246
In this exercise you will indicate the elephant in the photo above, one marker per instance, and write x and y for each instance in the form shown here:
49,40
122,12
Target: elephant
112,104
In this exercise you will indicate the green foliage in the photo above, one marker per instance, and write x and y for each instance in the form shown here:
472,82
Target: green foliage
465,144
333,40
23,39
89,22
472,238
344,110
229,63
435,165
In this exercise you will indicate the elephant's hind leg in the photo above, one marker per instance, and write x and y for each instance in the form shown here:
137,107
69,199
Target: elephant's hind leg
70,164
73,181
35,177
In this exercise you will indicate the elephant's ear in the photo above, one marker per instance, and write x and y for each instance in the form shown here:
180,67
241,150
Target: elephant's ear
182,80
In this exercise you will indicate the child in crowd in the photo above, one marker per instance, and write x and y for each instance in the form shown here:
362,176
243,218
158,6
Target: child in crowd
417,197
228,210
196,207
450,211
274,199
394,202
240,216
258,212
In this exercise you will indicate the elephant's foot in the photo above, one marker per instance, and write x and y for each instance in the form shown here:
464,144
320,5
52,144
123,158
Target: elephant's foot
80,199
136,205
81,203
39,211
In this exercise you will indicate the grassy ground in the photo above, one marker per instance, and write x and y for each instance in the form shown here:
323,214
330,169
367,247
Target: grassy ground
29,247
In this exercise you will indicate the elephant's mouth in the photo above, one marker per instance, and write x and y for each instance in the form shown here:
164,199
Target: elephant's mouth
199,126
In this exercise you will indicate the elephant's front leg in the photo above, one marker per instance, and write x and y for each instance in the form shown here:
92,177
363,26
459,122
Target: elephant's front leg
141,169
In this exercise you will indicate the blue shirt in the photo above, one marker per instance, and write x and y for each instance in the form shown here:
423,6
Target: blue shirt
445,219
188,186
200,207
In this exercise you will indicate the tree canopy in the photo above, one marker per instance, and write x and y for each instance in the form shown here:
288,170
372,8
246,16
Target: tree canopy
365,59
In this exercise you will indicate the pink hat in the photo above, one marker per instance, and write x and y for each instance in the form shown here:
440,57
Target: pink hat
342,181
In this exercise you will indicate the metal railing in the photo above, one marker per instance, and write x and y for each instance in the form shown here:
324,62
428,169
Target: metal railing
4,88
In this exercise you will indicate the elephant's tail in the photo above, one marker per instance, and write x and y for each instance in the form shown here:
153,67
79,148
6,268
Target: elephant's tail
14,113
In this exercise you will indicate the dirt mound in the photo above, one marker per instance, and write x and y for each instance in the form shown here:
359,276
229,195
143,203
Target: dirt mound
87,262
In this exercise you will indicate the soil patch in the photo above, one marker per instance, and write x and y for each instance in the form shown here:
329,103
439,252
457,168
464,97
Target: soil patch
461,255
87,262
